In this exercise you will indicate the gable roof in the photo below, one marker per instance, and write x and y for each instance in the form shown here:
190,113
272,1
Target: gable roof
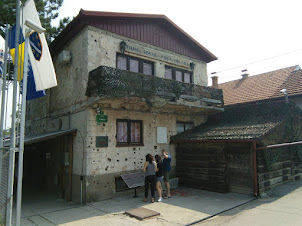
156,30
247,122
263,86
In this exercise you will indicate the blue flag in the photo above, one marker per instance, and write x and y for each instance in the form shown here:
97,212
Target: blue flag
31,86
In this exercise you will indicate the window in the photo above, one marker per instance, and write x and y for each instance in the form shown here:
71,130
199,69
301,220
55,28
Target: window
178,75
133,64
182,126
129,132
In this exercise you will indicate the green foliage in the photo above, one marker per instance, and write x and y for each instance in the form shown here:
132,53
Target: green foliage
1,220
47,9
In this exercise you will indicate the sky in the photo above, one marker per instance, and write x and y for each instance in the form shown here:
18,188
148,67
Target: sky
257,35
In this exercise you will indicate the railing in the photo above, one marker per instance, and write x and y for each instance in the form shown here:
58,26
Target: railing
111,82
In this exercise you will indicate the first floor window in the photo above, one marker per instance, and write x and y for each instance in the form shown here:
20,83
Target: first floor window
183,126
129,132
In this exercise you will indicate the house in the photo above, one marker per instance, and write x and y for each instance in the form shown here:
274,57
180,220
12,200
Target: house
126,84
263,87
254,145
246,149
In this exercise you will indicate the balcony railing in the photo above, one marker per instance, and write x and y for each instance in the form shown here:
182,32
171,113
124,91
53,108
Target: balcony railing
109,82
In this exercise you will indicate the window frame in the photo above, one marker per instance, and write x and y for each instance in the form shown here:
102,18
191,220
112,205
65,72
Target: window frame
184,126
140,63
174,70
129,143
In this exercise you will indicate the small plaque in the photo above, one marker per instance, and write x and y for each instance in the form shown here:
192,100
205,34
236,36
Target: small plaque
101,119
101,141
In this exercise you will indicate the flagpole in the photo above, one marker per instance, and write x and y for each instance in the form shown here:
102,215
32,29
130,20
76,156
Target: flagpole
10,192
3,99
22,129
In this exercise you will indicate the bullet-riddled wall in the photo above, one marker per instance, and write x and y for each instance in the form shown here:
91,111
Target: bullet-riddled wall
69,108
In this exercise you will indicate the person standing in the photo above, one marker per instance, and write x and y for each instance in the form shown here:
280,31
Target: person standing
150,168
167,169
159,177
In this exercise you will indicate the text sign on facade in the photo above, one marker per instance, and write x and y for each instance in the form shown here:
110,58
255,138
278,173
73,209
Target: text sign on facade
157,55
101,141
101,118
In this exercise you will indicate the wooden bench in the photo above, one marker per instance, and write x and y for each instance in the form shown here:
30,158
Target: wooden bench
134,180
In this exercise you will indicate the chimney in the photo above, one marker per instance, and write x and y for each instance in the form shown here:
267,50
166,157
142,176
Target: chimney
245,73
214,80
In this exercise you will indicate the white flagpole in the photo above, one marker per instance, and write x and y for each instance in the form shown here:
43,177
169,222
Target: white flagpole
22,130
3,98
12,148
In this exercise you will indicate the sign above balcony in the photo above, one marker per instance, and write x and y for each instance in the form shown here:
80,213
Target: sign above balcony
151,53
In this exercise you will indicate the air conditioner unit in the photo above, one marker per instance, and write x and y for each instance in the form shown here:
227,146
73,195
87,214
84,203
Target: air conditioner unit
64,57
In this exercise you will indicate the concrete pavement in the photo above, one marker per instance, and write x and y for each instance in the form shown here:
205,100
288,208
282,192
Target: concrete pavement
281,206
186,206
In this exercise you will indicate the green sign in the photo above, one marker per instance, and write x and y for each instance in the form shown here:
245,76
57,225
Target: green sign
101,118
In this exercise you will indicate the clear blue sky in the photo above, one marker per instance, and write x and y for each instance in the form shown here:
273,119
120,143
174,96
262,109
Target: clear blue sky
238,32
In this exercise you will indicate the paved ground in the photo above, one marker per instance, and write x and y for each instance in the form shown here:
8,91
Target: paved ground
281,206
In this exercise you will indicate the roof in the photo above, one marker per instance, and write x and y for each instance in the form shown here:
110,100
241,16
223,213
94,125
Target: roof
243,122
263,86
47,136
157,30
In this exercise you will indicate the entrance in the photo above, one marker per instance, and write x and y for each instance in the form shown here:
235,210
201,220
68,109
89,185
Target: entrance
47,167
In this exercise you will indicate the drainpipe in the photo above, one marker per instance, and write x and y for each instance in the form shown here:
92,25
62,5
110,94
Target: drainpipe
254,150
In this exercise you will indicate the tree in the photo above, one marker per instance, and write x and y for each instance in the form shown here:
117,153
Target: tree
47,9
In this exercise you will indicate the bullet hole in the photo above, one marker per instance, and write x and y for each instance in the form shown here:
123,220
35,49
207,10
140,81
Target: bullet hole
155,147
117,160
134,162
95,40
97,149
134,149
141,162
134,152
104,124
139,148
109,159
126,159
106,168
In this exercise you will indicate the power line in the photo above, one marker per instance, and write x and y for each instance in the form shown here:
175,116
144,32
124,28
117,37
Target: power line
228,69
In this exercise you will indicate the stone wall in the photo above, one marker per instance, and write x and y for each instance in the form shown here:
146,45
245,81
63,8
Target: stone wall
106,163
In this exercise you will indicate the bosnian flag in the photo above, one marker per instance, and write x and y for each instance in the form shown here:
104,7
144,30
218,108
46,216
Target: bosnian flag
40,58
2,46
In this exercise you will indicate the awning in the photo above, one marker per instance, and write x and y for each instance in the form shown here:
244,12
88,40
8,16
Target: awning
47,136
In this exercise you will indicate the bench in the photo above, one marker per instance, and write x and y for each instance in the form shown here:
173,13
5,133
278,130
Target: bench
134,180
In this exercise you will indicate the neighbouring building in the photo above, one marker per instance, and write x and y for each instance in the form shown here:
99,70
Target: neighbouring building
126,84
263,87
247,149
255,144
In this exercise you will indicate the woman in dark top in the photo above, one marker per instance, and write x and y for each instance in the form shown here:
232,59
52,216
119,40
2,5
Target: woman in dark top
150,168
159,177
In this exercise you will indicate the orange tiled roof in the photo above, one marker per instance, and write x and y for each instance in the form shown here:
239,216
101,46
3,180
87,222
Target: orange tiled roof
263,86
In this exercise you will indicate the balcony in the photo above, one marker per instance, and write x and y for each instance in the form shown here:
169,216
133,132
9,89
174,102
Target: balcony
106,84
